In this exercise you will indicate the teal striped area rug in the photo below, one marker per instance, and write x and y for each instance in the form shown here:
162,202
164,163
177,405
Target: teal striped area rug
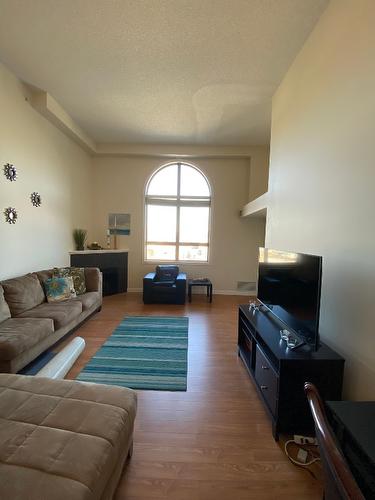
144,352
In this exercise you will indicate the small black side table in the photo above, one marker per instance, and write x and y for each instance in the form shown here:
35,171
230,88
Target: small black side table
205,282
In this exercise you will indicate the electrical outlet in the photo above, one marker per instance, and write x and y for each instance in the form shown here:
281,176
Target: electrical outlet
304,439
302,456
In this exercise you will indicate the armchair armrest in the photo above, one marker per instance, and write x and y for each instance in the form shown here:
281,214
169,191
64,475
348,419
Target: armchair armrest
149,277
147,287
181,288
181,282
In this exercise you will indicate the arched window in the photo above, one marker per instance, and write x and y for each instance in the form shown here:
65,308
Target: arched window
178,201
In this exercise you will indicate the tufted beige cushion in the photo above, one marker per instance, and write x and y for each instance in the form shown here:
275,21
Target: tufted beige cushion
62,439
23,293
88,299
20,334
62,313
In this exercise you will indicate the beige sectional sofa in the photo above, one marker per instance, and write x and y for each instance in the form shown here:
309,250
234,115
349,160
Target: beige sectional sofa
29,324
62,439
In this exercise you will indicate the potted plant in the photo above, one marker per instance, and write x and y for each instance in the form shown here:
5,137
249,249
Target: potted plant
79,236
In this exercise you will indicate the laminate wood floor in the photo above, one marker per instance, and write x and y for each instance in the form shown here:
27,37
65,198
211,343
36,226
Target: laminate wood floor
214,441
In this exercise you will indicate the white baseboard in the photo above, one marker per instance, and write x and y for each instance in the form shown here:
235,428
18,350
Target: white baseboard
233,292
215,292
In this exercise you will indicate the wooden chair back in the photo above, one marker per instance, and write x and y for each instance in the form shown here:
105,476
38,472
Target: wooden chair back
339,483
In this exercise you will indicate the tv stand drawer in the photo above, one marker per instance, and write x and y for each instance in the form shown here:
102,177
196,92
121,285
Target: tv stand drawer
267,379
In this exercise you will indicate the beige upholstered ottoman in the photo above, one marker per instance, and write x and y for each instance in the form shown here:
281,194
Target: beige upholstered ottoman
61,439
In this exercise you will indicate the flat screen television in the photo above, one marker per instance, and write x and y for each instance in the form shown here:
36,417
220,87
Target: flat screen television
289,286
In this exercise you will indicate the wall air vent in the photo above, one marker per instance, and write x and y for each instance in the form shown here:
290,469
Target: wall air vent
246,286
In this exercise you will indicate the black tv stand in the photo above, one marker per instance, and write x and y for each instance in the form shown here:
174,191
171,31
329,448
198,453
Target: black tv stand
294,348
279,373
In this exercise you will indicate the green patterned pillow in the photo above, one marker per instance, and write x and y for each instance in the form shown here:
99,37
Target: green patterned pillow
78,275
59,289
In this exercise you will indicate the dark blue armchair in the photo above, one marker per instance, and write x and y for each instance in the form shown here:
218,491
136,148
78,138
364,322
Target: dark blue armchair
165,286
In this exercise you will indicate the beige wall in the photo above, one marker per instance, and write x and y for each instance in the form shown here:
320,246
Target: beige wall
322,178
80,191
50,163
259,170
119,185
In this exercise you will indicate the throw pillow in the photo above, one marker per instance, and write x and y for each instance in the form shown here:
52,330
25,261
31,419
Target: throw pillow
73,292
23,293
59,289
78,275
4,308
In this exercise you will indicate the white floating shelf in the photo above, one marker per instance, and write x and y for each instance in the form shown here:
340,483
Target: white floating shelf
256,208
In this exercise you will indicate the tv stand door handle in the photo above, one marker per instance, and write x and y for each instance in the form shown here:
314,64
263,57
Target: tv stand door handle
263,387
265,367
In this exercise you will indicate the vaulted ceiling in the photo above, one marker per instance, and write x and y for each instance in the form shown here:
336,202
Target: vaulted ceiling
159,71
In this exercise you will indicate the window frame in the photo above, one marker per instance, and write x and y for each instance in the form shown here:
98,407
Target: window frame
177,201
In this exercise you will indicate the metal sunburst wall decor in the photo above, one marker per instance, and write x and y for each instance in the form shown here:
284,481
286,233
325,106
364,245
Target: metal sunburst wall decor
10,172
36,199
11,215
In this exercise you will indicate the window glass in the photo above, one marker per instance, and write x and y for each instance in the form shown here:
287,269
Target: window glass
161,223
193,182
164,182
194,224
197,253
161,252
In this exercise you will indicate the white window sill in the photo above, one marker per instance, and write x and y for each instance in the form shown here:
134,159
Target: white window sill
176,262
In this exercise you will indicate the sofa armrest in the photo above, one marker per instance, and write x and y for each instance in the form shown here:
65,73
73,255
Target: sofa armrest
181,277
149,277
94,280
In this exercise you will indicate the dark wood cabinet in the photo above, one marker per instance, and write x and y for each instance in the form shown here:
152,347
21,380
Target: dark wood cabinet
267,379
112,263
279,373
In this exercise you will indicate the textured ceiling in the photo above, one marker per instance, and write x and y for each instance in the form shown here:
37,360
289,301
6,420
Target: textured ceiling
159,71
